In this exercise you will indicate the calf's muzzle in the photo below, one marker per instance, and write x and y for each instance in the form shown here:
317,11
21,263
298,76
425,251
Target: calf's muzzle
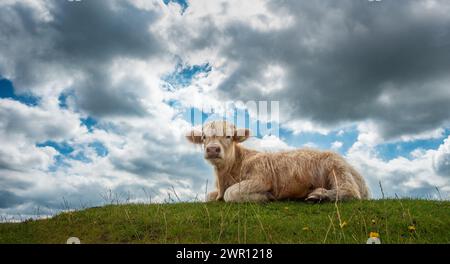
212,152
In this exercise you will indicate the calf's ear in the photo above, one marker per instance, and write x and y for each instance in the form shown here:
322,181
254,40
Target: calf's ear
195,136
241,134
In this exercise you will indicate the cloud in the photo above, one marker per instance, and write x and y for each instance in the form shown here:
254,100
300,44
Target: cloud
267,143
300,126
310,145
336,145
85,51
347,62
95,31
74,47
441,159
8,199
416,176
37,124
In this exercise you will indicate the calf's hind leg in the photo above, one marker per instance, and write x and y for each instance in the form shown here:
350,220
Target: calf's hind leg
248,191
321,194
343,187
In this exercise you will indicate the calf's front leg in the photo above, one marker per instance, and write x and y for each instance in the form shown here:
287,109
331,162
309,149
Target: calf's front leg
212,196
248,191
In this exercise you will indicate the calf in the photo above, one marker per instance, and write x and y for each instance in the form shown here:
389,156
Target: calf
248,175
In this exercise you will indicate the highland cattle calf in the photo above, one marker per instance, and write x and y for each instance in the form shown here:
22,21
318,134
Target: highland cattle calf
248,175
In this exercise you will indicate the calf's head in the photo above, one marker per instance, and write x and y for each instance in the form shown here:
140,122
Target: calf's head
219,139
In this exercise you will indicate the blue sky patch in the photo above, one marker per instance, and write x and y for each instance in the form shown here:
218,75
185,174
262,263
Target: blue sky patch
62,147
66,151
182,3
81,157
390,151
7,91
60,161
89,122
183,75
99,148
62,99
173,103
348,138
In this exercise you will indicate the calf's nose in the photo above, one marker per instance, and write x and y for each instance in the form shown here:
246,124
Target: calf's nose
213,151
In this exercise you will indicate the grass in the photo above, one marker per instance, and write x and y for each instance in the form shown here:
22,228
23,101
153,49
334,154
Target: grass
396,221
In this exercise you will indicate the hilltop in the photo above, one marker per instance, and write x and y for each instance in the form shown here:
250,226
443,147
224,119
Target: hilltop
395,221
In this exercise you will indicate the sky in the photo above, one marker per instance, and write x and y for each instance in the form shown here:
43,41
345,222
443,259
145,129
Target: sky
94,94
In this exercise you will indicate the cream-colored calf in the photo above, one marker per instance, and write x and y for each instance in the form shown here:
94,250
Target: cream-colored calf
248,175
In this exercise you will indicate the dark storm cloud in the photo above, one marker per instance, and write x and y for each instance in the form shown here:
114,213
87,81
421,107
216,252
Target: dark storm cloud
81,38
12,181
100,30
99,97
342,57
22,39
9,199
210,36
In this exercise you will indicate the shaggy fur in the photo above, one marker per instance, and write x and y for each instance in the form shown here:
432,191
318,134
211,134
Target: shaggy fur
248,175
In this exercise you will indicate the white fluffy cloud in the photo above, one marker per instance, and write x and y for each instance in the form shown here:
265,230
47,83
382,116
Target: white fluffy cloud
425,172
441,159
336,145
19,121
267,143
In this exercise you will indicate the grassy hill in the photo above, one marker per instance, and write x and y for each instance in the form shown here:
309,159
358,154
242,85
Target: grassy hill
396,221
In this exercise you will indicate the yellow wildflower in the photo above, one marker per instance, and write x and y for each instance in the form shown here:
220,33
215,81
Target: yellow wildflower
411,228
374,234
305,228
